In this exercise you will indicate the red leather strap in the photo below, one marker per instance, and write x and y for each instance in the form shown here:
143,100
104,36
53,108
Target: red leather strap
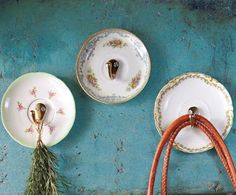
170,135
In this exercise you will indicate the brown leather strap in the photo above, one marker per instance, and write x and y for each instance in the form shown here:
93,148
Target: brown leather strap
166,164
217,147
166,160
169,136
183,120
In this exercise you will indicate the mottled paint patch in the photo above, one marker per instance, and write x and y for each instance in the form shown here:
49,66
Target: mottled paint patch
119,168
215,187
3,177
81,189
3,153
234,130
2,2
220,9
222,48
120,146
3,157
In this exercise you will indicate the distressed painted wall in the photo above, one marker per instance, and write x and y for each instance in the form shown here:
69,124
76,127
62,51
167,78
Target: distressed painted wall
101,156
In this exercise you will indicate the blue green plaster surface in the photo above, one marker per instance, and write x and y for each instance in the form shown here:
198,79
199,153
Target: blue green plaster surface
110,148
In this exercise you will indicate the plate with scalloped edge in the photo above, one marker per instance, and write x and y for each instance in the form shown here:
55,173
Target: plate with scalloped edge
202,91
92,67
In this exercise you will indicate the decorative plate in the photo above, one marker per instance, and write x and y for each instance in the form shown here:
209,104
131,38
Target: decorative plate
194,89
22,96
130,72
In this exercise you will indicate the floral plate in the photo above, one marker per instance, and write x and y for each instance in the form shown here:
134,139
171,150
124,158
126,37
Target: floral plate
194,89
93,71
22,96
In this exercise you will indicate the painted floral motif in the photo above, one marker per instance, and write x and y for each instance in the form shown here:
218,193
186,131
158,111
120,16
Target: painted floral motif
33,92
51,94
174,83
20,107
134,82
90,49
115,43
92,79
51,128
61,111
29,130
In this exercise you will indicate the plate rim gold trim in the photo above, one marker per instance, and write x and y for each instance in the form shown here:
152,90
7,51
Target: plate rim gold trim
175,81
77,65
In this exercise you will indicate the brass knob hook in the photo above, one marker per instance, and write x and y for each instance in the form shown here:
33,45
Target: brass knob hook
113,66
192,112
39,113
38,117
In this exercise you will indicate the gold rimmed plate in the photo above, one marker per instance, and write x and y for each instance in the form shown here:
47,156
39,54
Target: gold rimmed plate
113,66
202,91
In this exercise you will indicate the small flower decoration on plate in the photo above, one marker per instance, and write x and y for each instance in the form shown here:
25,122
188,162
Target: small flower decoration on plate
21,98
38,110
134,82
113,66
115,43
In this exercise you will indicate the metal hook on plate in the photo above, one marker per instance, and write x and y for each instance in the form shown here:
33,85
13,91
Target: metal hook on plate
38,115
192,112
113,66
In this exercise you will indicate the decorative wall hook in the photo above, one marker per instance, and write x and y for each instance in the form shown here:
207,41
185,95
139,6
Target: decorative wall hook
38,113
194,94
38,116
192,112
113,66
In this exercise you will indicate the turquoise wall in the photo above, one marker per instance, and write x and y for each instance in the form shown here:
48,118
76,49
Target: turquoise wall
100,155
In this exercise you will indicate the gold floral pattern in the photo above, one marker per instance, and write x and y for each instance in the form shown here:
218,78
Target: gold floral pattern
134,82
92,79
115,43
174,83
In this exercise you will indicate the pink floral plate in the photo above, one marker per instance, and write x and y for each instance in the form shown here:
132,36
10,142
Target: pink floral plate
22,96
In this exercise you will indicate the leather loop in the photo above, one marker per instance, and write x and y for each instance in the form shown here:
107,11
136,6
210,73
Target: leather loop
169,137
